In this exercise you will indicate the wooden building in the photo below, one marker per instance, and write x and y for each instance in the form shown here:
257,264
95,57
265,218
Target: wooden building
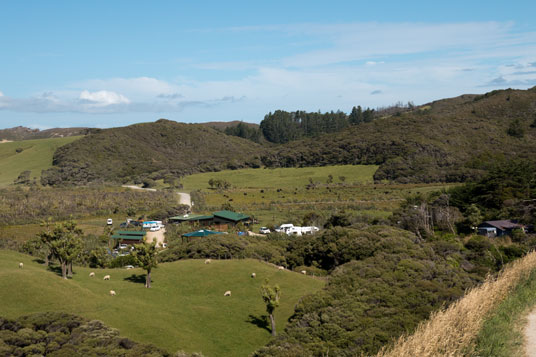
129,237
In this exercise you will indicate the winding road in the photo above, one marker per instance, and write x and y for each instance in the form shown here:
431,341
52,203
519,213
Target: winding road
184,198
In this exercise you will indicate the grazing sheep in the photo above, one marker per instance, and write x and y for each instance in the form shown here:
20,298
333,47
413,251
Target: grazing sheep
227,293
208,261
281,268
303,272
91,275
106,277
21,265
112,292
253,275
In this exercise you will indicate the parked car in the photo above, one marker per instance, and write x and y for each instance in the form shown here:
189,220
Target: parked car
109,221
123,225
154,229
164,245
123,246
129,266
264,230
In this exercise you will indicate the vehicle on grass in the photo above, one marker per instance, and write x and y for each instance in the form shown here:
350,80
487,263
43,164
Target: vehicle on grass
109,221
284,228
164,245
291,229
129,266
264,230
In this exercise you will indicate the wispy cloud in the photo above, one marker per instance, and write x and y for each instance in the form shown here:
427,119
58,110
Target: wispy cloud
341,66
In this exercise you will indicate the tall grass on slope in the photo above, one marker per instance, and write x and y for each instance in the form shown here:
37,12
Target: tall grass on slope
453,331
502,334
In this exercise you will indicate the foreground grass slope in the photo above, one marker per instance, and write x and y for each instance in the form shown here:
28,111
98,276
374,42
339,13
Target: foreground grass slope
36,155
185,309
462,329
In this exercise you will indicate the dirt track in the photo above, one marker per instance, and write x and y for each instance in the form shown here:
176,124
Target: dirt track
530,335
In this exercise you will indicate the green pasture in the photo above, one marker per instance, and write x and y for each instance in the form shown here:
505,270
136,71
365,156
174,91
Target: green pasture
282,177
185,309
36,155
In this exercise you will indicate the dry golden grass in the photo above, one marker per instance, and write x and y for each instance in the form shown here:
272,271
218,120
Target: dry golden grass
452,331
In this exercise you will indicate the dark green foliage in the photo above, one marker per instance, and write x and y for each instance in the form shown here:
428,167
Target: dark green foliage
508,191
219,184
223,247
516,129
162,148
389,284
282,126
23,179
243,130
337,220
58,334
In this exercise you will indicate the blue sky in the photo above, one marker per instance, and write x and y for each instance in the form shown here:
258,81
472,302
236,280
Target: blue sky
113,63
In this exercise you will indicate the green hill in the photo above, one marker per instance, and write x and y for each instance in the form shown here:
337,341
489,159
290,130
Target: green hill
447,140
156,149
31,155
19,133
185,308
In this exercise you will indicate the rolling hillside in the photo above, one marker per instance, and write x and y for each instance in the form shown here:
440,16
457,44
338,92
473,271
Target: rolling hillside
185,308
31,155
158,149
447,140
23,133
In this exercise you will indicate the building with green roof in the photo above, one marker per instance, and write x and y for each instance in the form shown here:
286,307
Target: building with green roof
221,220
129,237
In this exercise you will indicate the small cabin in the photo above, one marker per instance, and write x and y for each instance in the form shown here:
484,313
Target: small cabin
498,228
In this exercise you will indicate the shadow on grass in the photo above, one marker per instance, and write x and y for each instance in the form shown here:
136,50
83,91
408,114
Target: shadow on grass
261,322
57,270
135,278
39,261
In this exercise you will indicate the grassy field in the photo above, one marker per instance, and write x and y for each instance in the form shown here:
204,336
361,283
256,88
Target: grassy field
285,195
185,308
282,177
36,155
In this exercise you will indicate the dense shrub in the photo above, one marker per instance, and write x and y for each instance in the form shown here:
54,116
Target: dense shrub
59,334
389,285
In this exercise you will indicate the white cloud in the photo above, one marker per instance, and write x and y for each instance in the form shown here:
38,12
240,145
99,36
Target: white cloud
1,94
139,88
369,64
103,98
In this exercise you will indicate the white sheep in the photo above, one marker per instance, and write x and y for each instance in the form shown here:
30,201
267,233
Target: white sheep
253,275
106,277
303,272
21,265
91,275
227,293
208,261
281,268
112,292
